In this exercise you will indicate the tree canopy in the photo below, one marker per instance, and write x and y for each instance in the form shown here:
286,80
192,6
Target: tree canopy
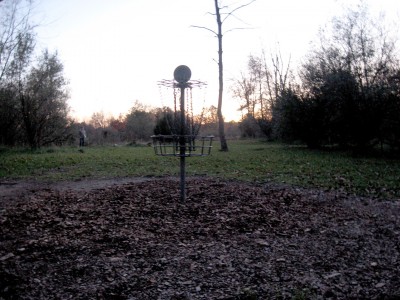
347,92
33,92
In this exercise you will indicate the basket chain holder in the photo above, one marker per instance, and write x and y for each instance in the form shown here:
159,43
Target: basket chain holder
182,145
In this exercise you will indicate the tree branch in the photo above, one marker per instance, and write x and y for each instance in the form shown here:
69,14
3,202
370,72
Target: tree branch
237,8
206,28
238,28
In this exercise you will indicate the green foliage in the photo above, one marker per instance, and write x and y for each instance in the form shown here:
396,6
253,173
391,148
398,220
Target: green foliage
166,124
33,96
351,81
288,117
140,123
43,103
347,94
17,41
249,127
253,161
9,117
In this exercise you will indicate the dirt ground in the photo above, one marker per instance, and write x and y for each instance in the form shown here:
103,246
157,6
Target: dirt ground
133,238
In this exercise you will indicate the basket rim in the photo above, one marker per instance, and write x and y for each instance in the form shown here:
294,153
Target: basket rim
180,135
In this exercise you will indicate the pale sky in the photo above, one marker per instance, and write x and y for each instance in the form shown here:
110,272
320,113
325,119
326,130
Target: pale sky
115,52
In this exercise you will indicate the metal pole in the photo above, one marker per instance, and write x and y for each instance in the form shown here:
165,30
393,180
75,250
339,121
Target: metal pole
182,143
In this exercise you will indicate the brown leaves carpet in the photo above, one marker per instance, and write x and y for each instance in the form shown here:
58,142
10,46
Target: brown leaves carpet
228,240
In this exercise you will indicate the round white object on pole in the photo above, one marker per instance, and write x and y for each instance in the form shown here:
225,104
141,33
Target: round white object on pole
182,74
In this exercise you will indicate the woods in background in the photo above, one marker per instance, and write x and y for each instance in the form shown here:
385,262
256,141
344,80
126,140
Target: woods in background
346,92
33,90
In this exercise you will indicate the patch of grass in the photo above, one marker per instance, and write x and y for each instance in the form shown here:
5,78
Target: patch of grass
71,163
296,165
247,160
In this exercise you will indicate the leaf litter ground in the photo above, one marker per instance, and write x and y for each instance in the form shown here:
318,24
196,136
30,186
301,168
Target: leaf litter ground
228,240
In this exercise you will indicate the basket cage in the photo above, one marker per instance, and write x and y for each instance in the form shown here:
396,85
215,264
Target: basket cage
171,145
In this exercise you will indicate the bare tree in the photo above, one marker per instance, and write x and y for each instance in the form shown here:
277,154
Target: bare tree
264,81
17,43
43,102
33,93
244,90
99,120
140,122
16,38
348,82
222,13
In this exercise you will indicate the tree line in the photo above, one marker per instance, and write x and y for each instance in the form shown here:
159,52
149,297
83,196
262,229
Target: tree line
143,121
33,90
346,92
34,95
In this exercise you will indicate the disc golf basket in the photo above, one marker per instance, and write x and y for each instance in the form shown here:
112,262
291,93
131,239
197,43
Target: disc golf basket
170,145
184,141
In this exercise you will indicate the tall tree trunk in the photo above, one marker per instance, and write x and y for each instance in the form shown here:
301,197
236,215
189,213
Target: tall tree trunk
221,123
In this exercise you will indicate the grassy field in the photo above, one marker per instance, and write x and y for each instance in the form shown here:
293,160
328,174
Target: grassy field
247,160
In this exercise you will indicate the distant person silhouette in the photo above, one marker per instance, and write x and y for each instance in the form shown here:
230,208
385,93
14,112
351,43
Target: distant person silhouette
82,136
